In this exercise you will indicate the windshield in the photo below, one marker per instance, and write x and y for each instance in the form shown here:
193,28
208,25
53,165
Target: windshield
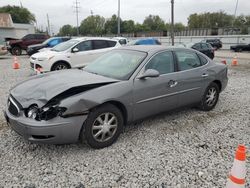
118,64
47,41
64,46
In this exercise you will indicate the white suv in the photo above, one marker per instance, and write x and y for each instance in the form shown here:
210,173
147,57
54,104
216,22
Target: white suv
72,54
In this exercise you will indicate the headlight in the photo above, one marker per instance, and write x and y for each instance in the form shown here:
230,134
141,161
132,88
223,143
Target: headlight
32,112
45,113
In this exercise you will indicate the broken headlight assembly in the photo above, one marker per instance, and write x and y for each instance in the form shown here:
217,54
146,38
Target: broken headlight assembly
44,113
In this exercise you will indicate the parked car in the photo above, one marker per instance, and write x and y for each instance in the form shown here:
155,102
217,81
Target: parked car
49,43
122,40
15,46
71,54
215,43
3,49
204,48
122,86
146,41
240,47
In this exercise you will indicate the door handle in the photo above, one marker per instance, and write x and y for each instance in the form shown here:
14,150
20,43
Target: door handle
172,83
204,75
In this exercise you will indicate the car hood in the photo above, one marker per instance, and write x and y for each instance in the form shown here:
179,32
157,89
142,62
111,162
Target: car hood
47,53
42,88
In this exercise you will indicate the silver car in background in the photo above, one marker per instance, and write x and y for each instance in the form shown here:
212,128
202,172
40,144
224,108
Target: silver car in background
122,86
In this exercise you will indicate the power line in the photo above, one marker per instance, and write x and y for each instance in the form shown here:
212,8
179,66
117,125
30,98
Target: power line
76,9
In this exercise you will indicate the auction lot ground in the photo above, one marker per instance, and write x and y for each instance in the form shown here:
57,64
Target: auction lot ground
186,148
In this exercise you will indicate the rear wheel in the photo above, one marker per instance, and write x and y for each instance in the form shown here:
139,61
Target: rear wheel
16,50
210,97
238,50
103,126
60,66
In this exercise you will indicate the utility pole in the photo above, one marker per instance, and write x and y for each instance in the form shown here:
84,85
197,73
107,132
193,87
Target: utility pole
76,8
48,24
172,21
235,11
119,19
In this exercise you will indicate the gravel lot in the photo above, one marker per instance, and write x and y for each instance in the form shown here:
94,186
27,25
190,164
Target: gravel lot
186,148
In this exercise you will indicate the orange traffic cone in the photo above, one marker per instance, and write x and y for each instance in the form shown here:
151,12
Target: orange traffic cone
16,64
238,173
235,61
224,62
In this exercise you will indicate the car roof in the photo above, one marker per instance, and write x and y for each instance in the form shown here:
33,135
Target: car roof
150,48
93,38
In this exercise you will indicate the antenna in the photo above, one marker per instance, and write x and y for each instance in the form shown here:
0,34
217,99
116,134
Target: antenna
76,10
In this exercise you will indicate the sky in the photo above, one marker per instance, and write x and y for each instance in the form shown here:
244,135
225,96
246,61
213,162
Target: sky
61,12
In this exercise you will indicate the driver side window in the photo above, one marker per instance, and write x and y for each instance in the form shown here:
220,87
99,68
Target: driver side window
84,46
162,62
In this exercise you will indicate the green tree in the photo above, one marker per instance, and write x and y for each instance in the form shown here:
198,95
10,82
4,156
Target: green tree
93,25
67,30
154,23
128,26
18,14
210,20
111,25
179,27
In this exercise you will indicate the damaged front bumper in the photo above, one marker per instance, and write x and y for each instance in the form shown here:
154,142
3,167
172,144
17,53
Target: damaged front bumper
56,131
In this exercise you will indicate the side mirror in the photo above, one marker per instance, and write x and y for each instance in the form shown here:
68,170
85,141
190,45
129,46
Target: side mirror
149,73
74,50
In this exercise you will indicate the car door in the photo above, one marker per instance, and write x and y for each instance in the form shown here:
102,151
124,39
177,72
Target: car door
81,54
28,40
155,95
192,76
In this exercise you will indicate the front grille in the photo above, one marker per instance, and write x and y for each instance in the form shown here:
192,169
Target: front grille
13,107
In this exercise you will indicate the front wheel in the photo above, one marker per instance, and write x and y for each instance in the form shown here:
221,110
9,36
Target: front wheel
60,66
103,126
16,51
210,97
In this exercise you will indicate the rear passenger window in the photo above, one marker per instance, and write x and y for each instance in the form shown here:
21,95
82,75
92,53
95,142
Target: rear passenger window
197,46
163,63
100,44
187,60
111,43
203,59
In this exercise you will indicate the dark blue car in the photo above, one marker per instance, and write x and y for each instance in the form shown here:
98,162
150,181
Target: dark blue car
145,41
49,43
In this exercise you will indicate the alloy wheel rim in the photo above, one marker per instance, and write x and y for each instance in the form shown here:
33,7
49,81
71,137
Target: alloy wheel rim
211,96
104,127
61,67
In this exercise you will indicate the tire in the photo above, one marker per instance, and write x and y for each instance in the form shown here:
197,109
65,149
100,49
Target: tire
206,104
99,137
238,50
16,50
60,66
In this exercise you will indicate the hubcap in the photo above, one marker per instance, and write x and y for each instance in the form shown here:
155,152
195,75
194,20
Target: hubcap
60,67
104,127
211,97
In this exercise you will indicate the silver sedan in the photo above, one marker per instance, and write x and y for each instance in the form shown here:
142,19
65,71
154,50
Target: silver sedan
122,86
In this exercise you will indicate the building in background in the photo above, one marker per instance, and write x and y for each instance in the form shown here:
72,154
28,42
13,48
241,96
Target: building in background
8,29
